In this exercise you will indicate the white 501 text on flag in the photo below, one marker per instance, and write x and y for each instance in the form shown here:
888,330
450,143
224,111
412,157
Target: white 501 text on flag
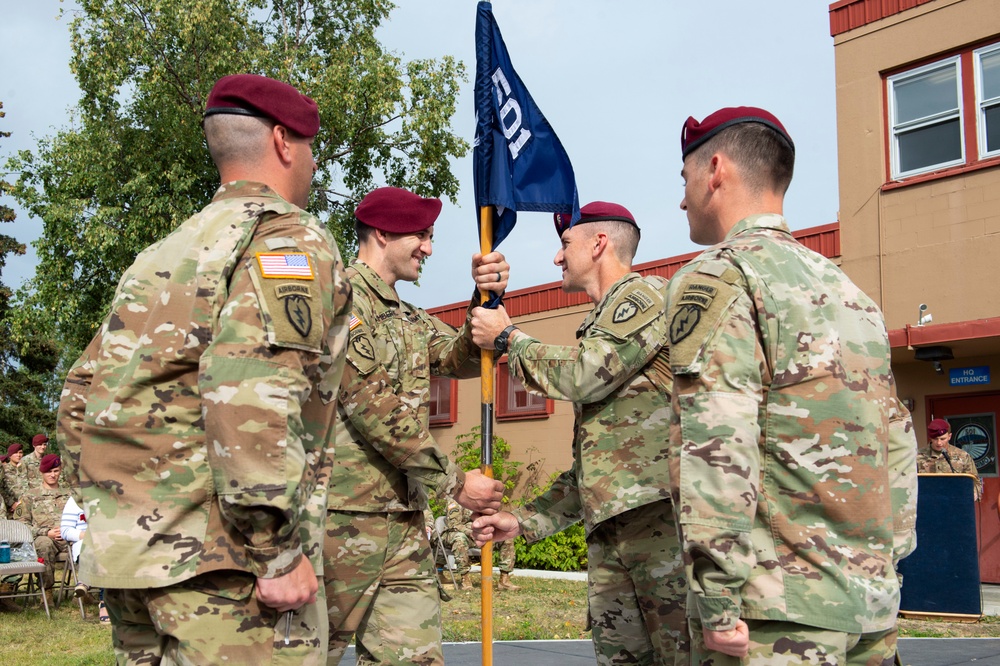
276,265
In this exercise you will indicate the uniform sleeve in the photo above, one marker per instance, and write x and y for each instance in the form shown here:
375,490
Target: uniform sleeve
902,463
25,514
718,367
452,353
554,510
267,355
70,415
389,425
605,358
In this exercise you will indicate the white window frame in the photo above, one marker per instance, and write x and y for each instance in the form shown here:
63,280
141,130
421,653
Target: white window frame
983,104
898,129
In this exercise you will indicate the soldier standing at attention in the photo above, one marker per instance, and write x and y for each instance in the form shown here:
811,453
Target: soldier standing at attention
618,379
940,457
196,424
381,582
41,510
793,464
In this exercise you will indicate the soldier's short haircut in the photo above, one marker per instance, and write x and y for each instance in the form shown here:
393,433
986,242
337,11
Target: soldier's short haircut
765,160
362,231
624,238
236,139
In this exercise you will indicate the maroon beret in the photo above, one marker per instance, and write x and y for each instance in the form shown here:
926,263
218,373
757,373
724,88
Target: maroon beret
595,211
397,210
259,96
693,134
49,462
39,439
4,458
937,427
14,448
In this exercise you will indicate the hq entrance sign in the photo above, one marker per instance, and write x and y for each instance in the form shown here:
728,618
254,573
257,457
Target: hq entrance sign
979,374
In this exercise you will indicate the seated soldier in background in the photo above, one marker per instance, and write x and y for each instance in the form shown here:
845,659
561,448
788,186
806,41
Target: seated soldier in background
940,457
41,510
14,482
458,538
32,459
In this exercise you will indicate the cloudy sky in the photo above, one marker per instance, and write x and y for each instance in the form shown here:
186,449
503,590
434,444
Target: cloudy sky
615,78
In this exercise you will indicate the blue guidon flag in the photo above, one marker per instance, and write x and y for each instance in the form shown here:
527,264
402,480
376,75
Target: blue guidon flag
519,163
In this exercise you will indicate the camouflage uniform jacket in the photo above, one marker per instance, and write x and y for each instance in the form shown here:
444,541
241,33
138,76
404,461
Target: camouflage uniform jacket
618,380
385,453
930,461
197,420
458,519
16,483
792,462
41,509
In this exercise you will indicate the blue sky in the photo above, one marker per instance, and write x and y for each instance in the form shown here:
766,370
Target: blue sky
615,78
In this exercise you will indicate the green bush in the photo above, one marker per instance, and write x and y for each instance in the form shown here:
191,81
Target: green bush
563,551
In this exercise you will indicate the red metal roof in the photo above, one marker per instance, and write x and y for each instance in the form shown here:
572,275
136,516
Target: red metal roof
824,239
850,14
939,334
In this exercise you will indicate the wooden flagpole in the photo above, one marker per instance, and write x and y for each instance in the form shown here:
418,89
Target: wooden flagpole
486,429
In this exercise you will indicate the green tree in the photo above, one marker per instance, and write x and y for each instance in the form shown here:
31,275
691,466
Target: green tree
26,391
133,163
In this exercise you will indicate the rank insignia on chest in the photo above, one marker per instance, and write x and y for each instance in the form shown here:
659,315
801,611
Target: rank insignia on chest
292,265
299,314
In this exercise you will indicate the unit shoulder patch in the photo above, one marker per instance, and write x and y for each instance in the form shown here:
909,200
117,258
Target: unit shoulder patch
698,305
361,350
633,308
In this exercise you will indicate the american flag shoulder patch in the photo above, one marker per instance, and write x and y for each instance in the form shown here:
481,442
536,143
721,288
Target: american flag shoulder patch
291,265
355,322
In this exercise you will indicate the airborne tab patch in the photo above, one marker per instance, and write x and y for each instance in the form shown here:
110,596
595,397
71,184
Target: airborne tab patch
293,265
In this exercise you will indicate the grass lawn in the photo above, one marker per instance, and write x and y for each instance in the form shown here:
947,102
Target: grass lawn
541,609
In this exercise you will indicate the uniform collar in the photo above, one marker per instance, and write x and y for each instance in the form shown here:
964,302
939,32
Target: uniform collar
761,221
373,280
244,188
607,298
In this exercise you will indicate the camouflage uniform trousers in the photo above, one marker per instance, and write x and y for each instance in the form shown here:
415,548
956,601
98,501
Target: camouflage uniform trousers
460,544
49,549
381,588
637,589
776,643
212,618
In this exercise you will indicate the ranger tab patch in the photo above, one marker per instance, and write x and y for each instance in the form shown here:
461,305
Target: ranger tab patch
292,265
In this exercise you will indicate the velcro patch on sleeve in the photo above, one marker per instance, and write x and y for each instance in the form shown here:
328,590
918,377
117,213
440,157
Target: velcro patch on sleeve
699,304
292,313
361,351
636,306
288,266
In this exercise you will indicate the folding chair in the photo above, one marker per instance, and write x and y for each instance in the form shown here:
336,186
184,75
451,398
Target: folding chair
18,535
67,585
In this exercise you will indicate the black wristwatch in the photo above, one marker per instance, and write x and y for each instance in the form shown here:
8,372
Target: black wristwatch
500,342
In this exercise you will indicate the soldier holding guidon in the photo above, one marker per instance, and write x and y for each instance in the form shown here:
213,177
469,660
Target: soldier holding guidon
381,581
618,379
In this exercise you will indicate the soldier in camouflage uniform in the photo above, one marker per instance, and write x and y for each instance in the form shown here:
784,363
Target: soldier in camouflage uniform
39,443
380,576
197,421
618,380
41,510
940,457
792,460
15,478
459,538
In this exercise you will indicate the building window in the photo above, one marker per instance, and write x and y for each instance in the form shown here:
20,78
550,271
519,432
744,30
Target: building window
444,401
945,114
926,110
514,402
988,93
